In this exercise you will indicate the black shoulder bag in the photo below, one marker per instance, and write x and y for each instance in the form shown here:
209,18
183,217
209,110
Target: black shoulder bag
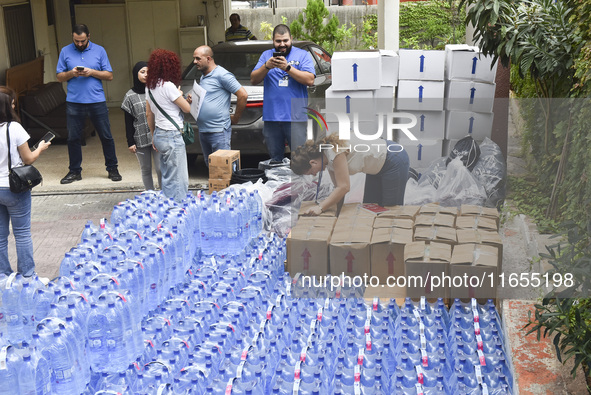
21,178
187,130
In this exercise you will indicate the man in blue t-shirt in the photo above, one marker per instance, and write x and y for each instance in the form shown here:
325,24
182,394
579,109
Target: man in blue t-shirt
84,65
286,78
214,121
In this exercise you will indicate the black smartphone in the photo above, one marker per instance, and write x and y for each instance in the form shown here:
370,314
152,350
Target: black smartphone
275,54
79,68
47,138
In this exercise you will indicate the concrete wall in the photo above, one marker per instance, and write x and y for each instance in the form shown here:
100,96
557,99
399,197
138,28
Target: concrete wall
253,18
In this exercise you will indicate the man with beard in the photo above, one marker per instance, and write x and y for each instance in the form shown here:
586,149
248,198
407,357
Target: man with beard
287,71
84,65
214,121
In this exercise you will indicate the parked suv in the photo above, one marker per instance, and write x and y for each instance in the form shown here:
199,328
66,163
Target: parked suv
240,58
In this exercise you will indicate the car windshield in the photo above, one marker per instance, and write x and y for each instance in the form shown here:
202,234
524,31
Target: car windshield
240,64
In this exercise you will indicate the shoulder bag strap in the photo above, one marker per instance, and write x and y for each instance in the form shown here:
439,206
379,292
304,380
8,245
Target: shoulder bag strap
8,140
163,112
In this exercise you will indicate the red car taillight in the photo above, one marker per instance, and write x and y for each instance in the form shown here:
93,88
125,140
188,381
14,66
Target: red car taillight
254,104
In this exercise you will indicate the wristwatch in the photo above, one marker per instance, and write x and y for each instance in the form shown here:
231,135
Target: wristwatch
288,68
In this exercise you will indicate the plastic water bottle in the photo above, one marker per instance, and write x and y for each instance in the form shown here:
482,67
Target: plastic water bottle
10,366
11,298
28,303
34,376
62,365
108,347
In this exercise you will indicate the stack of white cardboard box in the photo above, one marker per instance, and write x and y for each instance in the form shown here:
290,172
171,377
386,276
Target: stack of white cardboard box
363,84
450,94
470,94
421,92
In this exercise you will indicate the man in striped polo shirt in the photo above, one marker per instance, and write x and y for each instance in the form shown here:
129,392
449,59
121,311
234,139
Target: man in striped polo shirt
237,32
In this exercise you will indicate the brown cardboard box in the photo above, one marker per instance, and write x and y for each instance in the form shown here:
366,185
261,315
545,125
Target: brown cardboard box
477,263
441,234
223,163
479,236
218,184
468,209
349,250
408,212
387,252
388,222
476,222
330,212
307,246
423,261
438,219
434,208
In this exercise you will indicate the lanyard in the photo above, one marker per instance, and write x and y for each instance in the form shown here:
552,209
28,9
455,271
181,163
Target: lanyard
319,177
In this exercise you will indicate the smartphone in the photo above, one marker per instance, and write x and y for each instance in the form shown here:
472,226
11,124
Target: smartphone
47,138
79,68
275,54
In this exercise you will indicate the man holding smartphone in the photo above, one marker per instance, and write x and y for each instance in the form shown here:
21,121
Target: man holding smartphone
287,71
84,65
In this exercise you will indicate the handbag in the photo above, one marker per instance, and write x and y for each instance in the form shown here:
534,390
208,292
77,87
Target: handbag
187,130
21,178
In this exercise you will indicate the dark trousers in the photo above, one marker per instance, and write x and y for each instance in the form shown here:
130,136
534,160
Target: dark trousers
99,116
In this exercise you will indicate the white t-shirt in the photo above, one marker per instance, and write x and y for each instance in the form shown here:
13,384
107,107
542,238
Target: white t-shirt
18,136
362,156
165,94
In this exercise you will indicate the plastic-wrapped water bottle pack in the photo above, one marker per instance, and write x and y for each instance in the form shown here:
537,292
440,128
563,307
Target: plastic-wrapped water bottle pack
192,298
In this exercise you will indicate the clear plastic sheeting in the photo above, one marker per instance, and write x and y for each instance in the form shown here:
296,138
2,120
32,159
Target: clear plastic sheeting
265,192
454,184
458,186
288,197
491,172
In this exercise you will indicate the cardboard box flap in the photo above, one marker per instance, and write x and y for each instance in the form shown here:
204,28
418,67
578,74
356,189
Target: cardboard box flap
435,208
315,221
476,222
355,210
436,233
475,255
409,212
387,222
392,236
330,212
433,252
355,221
470,209
351,235
479,236
438,219
312,233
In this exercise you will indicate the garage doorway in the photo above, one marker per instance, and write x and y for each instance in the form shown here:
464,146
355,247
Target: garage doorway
20,38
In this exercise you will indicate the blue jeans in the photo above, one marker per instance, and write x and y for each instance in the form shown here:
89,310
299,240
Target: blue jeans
173,163
213,141
277,133
16,208
387,187
76,114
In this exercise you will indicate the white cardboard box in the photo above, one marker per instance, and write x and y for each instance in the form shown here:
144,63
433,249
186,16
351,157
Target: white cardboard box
350,101
422,152
420,95
356,70
467,63
430,125
470,96
464,123
418,64
390,67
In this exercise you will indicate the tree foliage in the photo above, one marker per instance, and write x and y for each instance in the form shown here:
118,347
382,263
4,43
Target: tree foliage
314,23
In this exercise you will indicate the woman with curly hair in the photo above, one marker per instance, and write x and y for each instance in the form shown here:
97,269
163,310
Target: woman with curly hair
165,102
385,162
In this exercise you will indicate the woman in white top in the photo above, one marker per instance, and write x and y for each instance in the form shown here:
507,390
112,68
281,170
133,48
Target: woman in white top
15,208
384,162
164,75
